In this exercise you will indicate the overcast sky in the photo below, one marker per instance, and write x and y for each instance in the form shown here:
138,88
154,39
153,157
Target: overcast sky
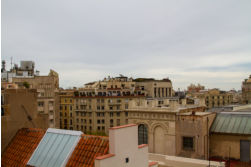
189,41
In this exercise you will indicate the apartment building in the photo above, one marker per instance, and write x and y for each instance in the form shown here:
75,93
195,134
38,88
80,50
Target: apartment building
67,120
99,105
246,91
46,86
214,97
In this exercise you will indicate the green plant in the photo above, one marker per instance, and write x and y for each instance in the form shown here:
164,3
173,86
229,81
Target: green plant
26,84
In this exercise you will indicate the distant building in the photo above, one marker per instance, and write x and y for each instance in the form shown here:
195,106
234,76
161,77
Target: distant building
99,105
155,88
192,88
47,100
213,97
60,148
46,87
246,91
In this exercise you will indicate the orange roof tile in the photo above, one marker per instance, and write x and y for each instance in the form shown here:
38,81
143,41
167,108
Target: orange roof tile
105,156
122,126
88,148
21,147
152,163
142,145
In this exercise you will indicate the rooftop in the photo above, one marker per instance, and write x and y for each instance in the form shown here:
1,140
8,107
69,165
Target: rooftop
87,150
232,123
20,149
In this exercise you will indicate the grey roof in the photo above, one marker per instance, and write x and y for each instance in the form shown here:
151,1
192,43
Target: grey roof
55,148
232,122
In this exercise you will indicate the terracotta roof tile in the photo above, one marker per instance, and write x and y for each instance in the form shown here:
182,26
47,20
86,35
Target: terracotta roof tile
152,163
88,148
21,147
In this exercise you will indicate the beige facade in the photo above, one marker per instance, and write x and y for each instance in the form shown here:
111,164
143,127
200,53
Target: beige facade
192,134
227,146
18,110
124,149
155,88
46,86
214,97
157,126
99,105
246,91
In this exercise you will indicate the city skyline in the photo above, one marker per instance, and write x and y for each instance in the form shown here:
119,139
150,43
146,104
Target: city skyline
189,42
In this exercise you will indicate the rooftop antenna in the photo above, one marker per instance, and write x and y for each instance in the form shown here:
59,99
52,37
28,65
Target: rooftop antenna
11,62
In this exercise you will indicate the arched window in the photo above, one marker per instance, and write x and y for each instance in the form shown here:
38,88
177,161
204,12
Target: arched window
142,134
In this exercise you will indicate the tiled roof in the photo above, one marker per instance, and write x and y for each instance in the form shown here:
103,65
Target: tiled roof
89,147
20,149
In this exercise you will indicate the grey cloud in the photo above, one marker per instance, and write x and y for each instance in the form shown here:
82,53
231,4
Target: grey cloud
131,37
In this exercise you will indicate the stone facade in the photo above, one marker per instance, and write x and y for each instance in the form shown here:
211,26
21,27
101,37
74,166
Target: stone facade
160,125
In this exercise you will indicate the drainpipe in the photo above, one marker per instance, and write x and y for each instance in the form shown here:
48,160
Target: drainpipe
208,152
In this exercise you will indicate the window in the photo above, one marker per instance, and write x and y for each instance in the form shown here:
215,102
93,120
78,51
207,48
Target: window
40,104
103,107
188,143
126,106
90,121
111,114
118,122
98,121
118,114
126,114
118,107
71,122
103,121
71,114
142,134
127,160
110,108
